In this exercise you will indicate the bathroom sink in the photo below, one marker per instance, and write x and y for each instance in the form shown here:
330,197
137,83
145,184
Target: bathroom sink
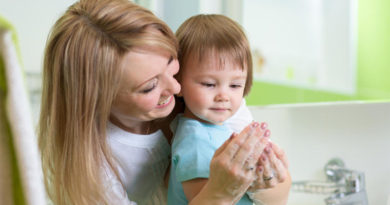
305,199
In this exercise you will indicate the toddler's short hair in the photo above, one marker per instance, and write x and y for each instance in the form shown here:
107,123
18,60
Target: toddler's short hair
203,35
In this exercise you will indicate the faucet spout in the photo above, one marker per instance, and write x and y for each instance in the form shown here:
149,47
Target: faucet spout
345,186
353,190
359,198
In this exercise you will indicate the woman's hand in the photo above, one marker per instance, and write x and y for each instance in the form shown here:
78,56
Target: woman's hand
233,167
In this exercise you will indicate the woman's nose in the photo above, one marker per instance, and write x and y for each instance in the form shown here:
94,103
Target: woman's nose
171,86
175,87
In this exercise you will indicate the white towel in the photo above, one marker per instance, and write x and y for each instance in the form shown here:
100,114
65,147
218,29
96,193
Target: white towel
20,121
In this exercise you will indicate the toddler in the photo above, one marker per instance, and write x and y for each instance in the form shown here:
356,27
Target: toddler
215,75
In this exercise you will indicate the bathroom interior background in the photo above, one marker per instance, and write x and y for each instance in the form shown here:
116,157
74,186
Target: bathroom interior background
370,46
368,80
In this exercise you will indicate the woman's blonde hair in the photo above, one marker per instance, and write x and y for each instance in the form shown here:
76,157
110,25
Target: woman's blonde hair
204,35
81,72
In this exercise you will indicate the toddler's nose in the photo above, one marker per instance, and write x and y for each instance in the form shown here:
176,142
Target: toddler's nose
221,97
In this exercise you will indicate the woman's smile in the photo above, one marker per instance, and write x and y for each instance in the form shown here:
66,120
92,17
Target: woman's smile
165,102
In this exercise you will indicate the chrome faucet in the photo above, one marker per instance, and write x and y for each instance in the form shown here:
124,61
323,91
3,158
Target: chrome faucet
346,186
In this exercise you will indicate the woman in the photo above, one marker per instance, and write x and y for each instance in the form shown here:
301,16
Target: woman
108,88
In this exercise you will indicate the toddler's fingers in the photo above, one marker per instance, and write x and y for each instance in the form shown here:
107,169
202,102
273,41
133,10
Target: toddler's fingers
280,171
280,154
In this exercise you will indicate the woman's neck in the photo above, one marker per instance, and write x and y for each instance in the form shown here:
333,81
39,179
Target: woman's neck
136,127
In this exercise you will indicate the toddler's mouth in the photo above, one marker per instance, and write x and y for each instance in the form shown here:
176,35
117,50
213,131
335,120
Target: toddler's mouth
219,109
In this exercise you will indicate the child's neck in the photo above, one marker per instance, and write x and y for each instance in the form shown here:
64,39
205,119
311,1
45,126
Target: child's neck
188,114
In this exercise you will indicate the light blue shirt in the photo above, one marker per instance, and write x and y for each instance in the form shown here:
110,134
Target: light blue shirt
193,148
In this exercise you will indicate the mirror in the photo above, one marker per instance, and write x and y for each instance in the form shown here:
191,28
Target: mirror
303,43
304,50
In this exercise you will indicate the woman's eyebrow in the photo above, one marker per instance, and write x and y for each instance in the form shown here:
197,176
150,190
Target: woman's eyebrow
145,82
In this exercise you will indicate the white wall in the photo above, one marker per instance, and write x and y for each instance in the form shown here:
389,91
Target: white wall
359,133
32,21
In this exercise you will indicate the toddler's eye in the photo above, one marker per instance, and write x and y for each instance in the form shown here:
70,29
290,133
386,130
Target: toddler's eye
236,86
209,85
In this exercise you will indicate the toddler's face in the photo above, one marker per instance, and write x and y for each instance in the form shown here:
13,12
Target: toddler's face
211,92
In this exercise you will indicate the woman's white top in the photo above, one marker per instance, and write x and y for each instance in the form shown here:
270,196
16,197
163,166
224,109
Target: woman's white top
143,160
142,163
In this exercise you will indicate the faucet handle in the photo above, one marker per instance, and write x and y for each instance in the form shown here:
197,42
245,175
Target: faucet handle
334,169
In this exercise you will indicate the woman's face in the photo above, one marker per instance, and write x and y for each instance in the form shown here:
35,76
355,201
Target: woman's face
147,88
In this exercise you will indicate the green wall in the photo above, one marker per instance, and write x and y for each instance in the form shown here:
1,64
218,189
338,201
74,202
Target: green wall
374,49
373,64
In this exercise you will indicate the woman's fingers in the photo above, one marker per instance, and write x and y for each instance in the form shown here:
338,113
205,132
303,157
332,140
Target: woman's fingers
269,177
252,160
234,143
252,136
258,183
225,145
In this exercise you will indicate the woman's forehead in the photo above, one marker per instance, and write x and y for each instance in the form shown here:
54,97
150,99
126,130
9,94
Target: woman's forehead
141,65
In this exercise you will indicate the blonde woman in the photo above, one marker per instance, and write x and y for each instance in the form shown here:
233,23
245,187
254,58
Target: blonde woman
108,89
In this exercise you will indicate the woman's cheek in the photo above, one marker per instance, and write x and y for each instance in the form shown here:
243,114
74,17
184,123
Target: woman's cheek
149,102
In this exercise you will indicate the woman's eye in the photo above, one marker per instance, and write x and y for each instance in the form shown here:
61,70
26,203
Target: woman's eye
170,60
209,85
149,89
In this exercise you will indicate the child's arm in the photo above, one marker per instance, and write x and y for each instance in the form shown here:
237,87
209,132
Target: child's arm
193,187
